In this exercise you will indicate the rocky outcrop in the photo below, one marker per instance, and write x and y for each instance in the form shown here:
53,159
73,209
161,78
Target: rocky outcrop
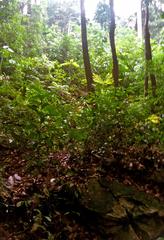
110,210
121,212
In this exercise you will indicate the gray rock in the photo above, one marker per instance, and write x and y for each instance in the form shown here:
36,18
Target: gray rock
122,211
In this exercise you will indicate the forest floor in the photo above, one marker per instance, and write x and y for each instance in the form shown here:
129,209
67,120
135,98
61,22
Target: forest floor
27,180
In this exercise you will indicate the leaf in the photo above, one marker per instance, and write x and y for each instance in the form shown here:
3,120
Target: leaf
8,48
154,119
19,204
35,227
12,61
48,219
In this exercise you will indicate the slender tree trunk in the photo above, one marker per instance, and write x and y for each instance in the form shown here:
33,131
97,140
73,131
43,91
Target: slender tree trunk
29,7
146,85
148,55
112,27
87,64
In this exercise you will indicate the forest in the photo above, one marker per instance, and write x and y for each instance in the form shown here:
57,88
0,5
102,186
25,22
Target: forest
81,120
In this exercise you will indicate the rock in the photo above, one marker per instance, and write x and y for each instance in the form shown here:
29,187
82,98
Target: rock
122,212
17,177
158,176
3,233
96,198
10,182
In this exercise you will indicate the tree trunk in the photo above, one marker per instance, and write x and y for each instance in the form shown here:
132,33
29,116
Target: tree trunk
148,55
29,7
112,27
87,65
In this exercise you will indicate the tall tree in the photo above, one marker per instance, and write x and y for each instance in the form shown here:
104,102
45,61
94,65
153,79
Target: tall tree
156,15
62,14
112,27
102,14
156,18
10,26
148,54
87,64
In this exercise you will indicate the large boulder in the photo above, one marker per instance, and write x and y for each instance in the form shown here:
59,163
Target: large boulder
122,212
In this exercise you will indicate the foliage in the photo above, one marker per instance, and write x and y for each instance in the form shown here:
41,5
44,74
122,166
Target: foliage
44,104
131,59
22,33
102,14
50,124
34,37
44,113
63,47
125,122
46,101
12,31
156,18
100,52
62,14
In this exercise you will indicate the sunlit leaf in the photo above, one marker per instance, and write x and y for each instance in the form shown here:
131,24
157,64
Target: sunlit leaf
154,119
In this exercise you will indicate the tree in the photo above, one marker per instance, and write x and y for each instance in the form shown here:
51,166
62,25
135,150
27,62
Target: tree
35,25
87,65
10,26
156,18
148,54
102,14
62,13
112,27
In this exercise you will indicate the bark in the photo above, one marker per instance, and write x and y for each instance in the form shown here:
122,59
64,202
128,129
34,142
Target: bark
29,7
86,59
115,70
146,85
148,55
